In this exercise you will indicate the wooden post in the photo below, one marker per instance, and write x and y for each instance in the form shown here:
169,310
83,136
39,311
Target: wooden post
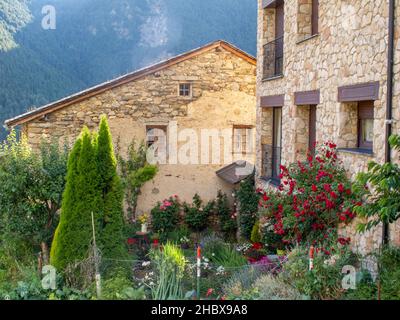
198,271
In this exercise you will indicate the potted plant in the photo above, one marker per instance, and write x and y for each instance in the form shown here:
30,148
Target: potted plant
143,221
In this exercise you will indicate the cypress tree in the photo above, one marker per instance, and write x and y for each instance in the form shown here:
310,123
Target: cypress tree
60,250
81,197
112,236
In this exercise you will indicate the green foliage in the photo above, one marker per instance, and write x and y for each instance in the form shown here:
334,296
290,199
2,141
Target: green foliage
380,188
14,15
31,185
325,280
112,238
223,254
389,273
119,287
81,197
248,206
93,186
135,172
228,223
165,217
240,285
255,233
366,288
196,215
170,266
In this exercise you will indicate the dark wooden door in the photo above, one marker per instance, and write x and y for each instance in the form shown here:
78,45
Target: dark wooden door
312,128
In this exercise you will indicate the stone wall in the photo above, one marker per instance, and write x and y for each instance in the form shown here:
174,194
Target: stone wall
223,95
351,48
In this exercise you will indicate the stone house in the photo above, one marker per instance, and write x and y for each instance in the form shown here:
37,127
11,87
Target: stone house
210,89
322,75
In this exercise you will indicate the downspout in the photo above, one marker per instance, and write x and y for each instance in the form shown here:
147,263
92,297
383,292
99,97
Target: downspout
389,102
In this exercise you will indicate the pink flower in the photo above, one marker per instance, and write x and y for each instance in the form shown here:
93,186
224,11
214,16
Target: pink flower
209,292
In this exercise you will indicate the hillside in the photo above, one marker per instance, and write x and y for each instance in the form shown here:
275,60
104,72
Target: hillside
97,40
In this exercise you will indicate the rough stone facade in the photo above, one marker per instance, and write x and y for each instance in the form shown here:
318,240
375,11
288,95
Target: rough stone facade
222,95
351,48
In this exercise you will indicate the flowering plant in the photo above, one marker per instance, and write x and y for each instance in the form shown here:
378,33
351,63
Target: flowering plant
313,199
165,216
143,218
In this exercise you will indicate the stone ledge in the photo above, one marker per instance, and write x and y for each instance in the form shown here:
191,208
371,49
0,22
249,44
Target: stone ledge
358,151
272,78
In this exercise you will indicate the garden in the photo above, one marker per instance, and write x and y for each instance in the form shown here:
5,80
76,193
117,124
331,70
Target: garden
69,229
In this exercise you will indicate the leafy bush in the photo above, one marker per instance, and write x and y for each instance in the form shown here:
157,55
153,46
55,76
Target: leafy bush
170,266
165,216
389,273
380,188
31,186
120,287
196,215
315,197
227,219
247,206
325,280
135,172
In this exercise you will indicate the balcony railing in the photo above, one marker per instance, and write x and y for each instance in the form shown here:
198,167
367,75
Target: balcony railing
273,58
271,161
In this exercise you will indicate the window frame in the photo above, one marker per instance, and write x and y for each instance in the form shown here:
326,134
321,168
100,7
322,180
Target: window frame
365,111
190,89
248,129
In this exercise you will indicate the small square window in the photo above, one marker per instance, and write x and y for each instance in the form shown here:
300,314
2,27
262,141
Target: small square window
185,89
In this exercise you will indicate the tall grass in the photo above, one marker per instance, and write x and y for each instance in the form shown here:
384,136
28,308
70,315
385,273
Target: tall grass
170,266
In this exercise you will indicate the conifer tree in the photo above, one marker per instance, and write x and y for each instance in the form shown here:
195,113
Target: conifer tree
60,249
112,225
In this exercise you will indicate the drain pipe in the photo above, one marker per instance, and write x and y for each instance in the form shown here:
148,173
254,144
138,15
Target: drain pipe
389,98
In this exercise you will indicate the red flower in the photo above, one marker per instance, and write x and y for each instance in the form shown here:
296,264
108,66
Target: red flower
209,292
314,188
344,241
333,195
257,246
131,241
340,188
327,187
265,197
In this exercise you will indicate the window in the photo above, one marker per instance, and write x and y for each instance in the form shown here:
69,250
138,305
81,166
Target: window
276,143
185,89
365,124
307,19
157,134
242,139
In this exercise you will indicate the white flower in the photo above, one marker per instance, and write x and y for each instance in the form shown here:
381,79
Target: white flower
146,263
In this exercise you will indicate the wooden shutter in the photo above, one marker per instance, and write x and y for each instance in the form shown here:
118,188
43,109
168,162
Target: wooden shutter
314,17
312,128
279,21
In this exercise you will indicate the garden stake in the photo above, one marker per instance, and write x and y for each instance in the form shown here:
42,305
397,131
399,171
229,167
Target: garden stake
198,271
311,265
96,263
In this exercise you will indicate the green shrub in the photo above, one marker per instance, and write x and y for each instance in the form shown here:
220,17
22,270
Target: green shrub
170,267
248,206
196,215
93,187
120,287
227,220
255,233
165,217
389,273
325,280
